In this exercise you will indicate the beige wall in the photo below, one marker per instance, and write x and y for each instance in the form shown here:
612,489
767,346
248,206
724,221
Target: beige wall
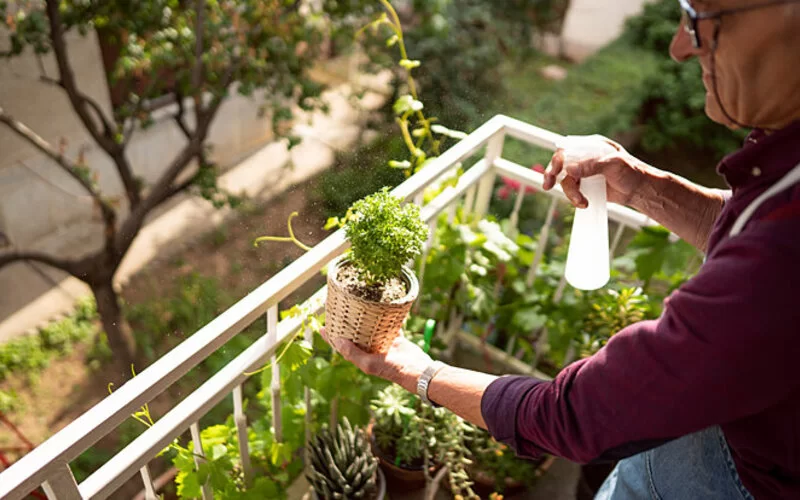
37,199
591,24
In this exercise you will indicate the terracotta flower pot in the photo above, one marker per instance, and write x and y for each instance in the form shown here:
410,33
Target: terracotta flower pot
484,484
370,324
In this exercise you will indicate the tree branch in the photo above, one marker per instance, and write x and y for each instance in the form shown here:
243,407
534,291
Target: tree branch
81,104
42,145
197,70
67,266
179,116
164,186
108,129
106,210
179,188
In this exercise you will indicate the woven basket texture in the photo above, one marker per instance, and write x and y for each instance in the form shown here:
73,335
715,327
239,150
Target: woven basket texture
373,326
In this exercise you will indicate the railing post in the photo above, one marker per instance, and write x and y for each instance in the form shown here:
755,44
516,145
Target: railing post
62,484
199,458
617,238
275,386
494,149
241,432
541,243
309,416
432,227
149,489
514,218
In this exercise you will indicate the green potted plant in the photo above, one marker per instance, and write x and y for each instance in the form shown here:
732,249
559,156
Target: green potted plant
406,435
343,467
397,437
370,290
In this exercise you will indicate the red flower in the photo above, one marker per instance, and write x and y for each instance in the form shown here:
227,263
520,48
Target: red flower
512,185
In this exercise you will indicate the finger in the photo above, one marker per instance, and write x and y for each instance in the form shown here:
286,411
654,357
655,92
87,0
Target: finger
590,167
571,187
324,335
553,169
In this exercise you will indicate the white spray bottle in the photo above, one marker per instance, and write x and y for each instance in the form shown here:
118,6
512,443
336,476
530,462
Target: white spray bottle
588,266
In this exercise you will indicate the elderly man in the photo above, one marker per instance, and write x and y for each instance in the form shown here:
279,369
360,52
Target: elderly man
705,401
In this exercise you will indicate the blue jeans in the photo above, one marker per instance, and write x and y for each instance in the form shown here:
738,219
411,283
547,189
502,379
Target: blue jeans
695,466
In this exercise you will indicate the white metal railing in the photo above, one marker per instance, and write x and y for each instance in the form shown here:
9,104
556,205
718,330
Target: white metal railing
48,464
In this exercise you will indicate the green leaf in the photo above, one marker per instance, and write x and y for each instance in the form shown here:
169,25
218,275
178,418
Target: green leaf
409,64
442,130
652,243
280,453
189,485
217,451
402,165
406,103
529,319
262,488
297,355
331,223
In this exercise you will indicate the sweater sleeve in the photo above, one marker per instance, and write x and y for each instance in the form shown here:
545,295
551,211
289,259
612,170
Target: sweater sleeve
724,348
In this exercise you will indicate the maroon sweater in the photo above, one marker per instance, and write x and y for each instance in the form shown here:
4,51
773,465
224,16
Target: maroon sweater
726,351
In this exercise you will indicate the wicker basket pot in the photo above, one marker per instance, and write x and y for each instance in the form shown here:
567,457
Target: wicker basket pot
373,326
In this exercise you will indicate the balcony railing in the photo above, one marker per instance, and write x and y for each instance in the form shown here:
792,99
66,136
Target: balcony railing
49,464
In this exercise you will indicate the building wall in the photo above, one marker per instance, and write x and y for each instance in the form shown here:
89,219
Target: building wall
591,24
37,199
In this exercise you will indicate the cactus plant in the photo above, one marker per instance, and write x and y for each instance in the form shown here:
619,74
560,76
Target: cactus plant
342,464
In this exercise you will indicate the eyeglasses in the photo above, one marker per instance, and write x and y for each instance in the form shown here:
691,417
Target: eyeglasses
691,17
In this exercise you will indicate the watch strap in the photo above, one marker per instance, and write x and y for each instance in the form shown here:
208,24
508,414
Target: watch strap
425,380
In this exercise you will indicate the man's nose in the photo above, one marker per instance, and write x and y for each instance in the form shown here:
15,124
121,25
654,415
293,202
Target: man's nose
681,48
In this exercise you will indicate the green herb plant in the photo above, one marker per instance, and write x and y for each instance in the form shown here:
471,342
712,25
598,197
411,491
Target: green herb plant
384,234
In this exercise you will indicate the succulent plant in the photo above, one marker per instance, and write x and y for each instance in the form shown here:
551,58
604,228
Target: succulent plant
342,464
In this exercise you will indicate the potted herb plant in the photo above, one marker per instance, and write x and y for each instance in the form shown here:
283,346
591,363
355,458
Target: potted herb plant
343,467
370,290
405,435
397,437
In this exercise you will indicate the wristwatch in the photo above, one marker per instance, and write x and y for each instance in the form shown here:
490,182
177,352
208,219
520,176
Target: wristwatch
425,381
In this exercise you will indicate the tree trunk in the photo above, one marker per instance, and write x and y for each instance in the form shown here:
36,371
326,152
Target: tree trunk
120,336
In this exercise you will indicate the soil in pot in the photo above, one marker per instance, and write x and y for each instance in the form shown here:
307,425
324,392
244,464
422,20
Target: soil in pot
391,291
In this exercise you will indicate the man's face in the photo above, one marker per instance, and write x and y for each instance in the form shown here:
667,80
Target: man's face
756,62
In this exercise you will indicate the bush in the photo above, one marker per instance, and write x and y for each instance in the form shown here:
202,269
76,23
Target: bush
600,96
461,45
673,98
31,353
